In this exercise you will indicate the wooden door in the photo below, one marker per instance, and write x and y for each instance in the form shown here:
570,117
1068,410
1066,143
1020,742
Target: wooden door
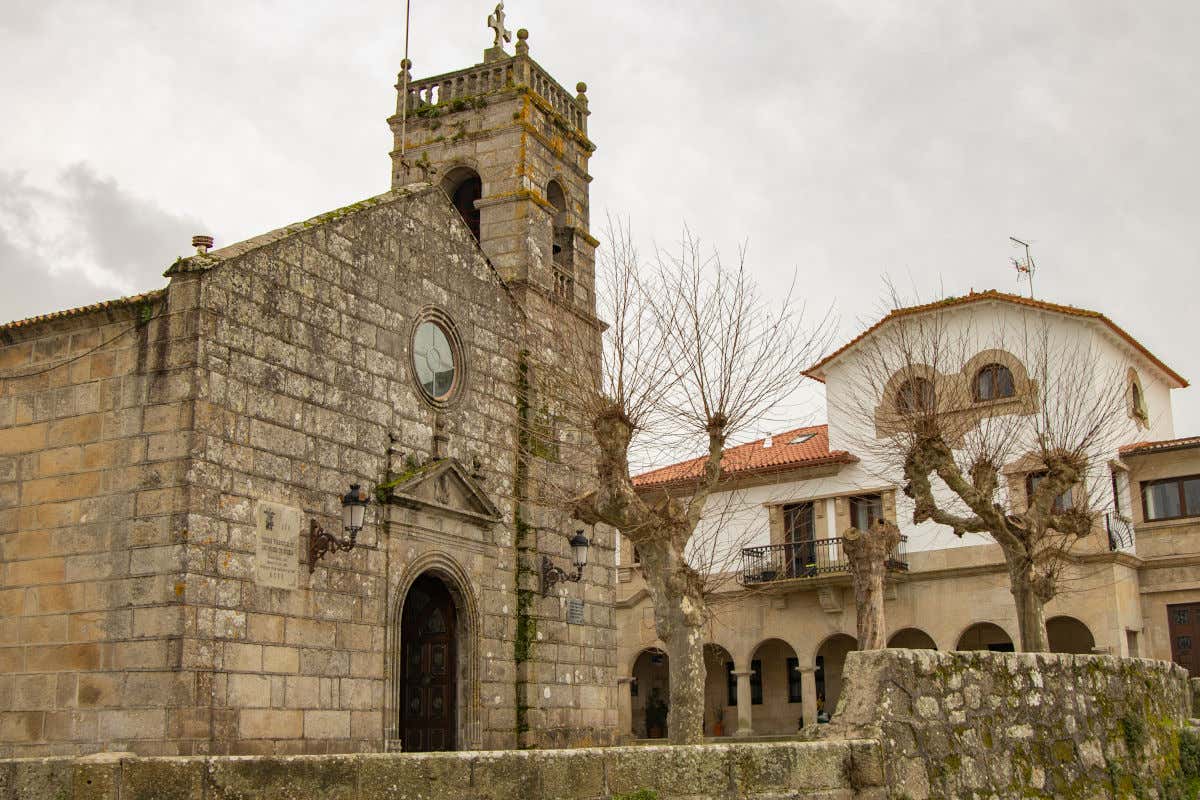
427,681
1183,622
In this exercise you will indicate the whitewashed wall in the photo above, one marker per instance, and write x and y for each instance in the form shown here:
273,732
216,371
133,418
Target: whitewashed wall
739,519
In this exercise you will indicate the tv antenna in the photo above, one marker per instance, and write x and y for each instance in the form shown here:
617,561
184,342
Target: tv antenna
1024,268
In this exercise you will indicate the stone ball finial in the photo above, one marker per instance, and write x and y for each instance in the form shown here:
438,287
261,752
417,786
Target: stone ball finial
202,243
522,34
405,63
581,87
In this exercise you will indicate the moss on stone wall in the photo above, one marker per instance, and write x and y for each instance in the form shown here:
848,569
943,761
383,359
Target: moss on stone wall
970,724
526,550
640,794
412,468
701,772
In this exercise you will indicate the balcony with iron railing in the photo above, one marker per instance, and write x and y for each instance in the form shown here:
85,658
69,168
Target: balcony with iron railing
1120,532
811,559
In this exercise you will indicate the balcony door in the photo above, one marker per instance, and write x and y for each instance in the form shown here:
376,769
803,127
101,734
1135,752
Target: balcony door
801,554
1184,626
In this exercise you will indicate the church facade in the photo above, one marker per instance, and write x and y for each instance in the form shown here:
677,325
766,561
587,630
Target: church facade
167,463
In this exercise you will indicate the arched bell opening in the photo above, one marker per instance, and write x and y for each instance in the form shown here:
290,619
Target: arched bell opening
464,186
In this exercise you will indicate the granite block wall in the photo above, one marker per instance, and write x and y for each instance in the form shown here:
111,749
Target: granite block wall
982,724
271,375
141,483
95,434
795,770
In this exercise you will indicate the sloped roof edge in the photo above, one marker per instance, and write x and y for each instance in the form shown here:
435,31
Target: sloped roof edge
78,311
754,458
817,370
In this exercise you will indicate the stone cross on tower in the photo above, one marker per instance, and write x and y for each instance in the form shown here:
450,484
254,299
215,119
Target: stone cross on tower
496,23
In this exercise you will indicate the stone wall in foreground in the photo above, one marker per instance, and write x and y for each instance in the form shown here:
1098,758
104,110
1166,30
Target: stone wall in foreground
826,770
980,724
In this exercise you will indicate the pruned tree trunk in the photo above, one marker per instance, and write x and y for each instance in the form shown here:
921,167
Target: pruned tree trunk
691,350
685,653
1031,608
867,553
679,616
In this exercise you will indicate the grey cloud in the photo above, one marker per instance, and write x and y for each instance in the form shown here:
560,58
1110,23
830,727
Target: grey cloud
843,138
31,289
82,240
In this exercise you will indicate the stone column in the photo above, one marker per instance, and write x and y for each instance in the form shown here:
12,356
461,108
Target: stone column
808,697
624,710
743,702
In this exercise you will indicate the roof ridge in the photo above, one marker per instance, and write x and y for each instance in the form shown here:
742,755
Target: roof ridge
995,294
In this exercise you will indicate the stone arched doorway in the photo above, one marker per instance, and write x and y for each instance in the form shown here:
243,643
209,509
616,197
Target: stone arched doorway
432,675
985,636
429,667
1069,635
912,639
650,694
720,692
775,689
830,661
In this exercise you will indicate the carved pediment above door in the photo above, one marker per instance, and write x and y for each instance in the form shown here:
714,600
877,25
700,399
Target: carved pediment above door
443,486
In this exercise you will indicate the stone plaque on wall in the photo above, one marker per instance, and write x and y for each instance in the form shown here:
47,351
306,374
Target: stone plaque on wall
277,554
574,612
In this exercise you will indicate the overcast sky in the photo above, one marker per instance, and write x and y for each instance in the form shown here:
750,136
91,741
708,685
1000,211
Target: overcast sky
843,140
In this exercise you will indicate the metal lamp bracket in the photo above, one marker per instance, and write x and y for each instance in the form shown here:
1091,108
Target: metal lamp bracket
552,575
321,542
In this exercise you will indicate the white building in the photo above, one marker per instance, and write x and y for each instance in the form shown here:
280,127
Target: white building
1003,364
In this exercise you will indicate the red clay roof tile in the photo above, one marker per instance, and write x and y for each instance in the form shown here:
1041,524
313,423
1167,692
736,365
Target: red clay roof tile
1142,448
793,449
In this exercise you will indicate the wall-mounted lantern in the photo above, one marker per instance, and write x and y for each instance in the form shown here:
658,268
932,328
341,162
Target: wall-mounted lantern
552,574
320,541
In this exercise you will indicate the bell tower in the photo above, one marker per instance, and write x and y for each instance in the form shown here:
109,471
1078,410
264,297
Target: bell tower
509,146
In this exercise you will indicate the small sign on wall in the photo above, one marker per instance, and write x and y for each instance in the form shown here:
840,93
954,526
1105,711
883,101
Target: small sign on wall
277,552
574,612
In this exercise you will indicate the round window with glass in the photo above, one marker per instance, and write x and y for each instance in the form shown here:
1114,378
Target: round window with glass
434,360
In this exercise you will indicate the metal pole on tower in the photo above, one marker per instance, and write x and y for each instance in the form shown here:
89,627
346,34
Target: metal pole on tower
405,66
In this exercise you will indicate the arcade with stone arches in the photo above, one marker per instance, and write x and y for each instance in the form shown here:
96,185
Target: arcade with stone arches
772,688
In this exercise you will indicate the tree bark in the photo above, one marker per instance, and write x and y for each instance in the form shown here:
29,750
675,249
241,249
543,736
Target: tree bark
679,616
867,553
661,532
685,654
1031,609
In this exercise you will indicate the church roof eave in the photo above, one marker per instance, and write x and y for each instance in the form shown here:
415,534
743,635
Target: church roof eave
206,261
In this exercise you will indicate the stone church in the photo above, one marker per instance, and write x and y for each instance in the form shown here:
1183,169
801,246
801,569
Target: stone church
173,468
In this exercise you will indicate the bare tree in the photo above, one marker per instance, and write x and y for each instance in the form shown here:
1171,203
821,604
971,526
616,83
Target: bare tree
1049,421
693,357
